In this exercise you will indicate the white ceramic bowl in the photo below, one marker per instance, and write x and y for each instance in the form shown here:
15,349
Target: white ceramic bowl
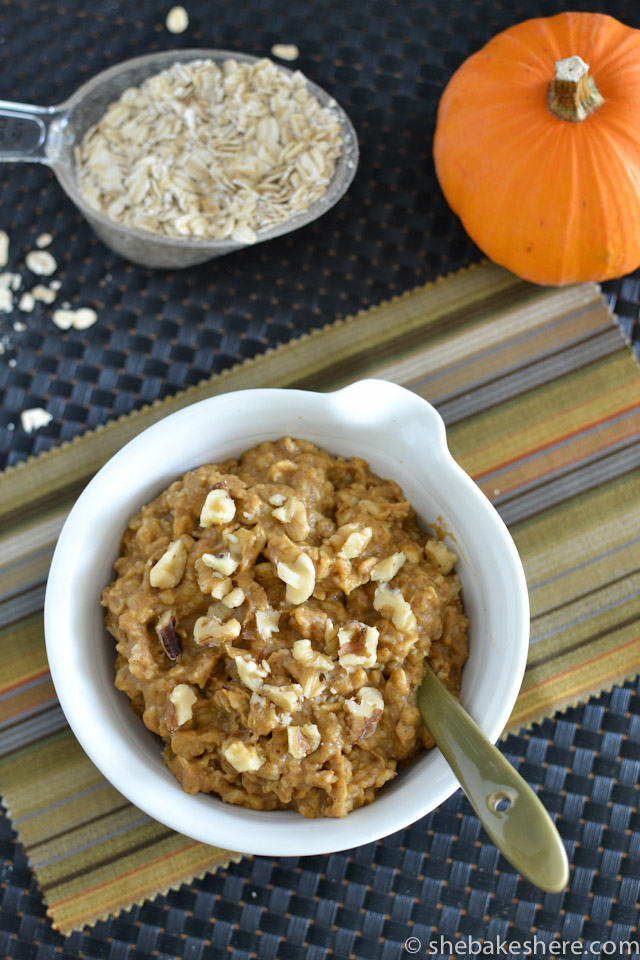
403,438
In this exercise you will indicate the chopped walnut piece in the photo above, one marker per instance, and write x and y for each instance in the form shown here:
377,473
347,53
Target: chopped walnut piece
221,588
303,740
167,572
386,569
267,623
183,698
390,599
222,563
166,630
233,599
242,758
251,673
288,696
358,644
281,470
210,628
367,703
219,507
299,577
439,552
412,551
304,653
355,542
293,514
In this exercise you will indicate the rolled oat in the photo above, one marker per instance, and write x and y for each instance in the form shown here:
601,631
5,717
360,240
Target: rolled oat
209,152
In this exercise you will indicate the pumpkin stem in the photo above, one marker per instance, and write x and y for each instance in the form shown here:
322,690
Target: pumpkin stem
573,95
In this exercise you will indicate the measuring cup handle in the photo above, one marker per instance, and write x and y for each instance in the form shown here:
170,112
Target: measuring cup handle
28,132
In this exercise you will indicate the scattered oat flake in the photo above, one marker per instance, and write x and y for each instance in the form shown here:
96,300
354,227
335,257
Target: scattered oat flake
55,285
45,294
19,326
4,248
41,263
9,282
27,302
6,300
34,418
78,319
85,317
285,51
43,240
177,20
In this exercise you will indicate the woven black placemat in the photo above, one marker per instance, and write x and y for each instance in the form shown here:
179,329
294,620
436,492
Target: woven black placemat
387,63
440,878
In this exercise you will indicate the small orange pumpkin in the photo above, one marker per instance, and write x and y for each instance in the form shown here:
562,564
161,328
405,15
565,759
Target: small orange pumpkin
537,148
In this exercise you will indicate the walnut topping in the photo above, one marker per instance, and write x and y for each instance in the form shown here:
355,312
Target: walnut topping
166,630
234,599
277,499
251,673
293,514
355,542
222,563
299,577
267,623
218,508
304,653
281,470
303,740
168,571
368,703
412,552
183,698
439,552
221,588
211,628
242,758
358,644
390,599
386,569
312,685
288,696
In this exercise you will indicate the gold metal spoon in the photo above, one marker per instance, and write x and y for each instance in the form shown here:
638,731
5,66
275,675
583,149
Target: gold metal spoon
506,806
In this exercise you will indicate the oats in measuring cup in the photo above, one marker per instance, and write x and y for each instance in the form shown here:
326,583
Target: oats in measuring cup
206,152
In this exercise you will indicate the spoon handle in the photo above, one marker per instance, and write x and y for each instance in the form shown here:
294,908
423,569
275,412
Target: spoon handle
506,806
25,131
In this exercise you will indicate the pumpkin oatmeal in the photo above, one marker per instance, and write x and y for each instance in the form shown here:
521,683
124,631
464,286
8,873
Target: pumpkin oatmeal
271,617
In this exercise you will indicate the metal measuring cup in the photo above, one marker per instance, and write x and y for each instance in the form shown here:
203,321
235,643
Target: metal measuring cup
49,135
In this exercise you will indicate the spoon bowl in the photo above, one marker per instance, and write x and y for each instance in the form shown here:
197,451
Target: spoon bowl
506,806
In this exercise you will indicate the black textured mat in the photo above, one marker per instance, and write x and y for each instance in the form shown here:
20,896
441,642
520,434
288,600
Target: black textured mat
387,63
440,878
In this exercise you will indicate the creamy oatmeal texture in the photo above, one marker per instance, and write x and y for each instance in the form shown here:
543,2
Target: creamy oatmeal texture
272,614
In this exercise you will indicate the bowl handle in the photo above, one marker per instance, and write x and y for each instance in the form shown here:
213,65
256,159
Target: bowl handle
30,133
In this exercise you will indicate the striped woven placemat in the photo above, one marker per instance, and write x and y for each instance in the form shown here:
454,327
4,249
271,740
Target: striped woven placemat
542,402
